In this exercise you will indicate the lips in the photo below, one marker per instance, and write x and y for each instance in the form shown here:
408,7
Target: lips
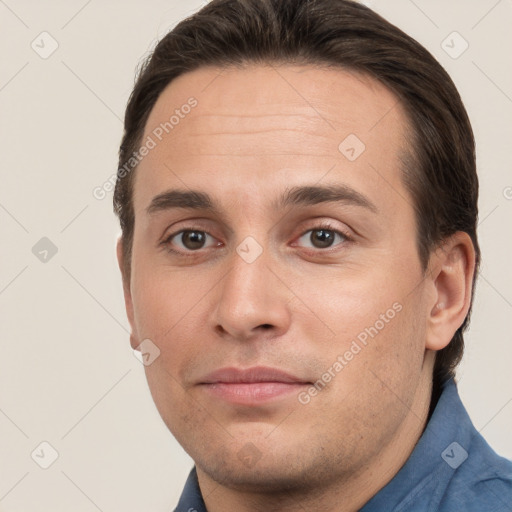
250,375
252,386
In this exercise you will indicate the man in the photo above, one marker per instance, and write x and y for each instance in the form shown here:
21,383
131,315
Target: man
298,201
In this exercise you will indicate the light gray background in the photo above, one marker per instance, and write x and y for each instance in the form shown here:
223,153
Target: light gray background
67,373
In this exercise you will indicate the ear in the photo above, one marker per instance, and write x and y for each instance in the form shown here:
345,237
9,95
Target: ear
134,341
451,270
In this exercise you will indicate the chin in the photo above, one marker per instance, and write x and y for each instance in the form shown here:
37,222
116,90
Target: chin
269,471
261,478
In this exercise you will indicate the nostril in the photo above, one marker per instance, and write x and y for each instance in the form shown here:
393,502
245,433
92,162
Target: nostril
266,326
220,329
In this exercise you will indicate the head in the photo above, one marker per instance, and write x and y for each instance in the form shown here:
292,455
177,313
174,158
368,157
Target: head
341,148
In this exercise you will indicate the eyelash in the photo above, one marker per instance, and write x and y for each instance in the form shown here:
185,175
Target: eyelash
322,226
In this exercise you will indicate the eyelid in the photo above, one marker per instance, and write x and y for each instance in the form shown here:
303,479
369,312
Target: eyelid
196,224
328,226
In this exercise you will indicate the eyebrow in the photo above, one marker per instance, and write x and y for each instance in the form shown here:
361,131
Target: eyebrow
296,196
311,195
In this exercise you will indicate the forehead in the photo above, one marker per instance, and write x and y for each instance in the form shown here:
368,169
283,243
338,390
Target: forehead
262,126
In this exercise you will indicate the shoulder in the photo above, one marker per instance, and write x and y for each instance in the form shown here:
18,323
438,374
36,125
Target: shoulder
483,481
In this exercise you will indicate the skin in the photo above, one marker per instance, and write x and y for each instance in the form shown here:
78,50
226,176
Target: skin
256,132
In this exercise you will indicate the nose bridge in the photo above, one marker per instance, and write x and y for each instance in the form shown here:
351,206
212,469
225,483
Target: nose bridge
251,296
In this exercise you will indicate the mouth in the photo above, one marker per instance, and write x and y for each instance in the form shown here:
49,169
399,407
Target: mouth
252,386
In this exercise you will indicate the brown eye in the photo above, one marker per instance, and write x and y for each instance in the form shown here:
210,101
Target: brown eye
193,239
189,240
322,238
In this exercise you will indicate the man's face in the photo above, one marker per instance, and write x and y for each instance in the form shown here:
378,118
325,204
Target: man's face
328,291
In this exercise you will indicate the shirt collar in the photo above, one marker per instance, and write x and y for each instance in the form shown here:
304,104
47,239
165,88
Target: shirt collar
191,499
441,448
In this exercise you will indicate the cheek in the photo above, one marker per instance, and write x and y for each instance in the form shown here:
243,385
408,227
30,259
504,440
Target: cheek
372,319
395,347
163,297
380,360
348,303
169,309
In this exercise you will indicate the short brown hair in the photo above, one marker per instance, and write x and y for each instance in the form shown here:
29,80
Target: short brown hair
441,172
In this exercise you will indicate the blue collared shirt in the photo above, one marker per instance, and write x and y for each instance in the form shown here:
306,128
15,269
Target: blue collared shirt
451,469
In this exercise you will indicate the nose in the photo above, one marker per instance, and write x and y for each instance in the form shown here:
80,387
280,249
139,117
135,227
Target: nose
253,300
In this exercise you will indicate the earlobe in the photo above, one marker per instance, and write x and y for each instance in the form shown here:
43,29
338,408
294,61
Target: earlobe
127,293
452,268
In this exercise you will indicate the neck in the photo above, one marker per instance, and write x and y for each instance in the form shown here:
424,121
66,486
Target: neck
347,494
